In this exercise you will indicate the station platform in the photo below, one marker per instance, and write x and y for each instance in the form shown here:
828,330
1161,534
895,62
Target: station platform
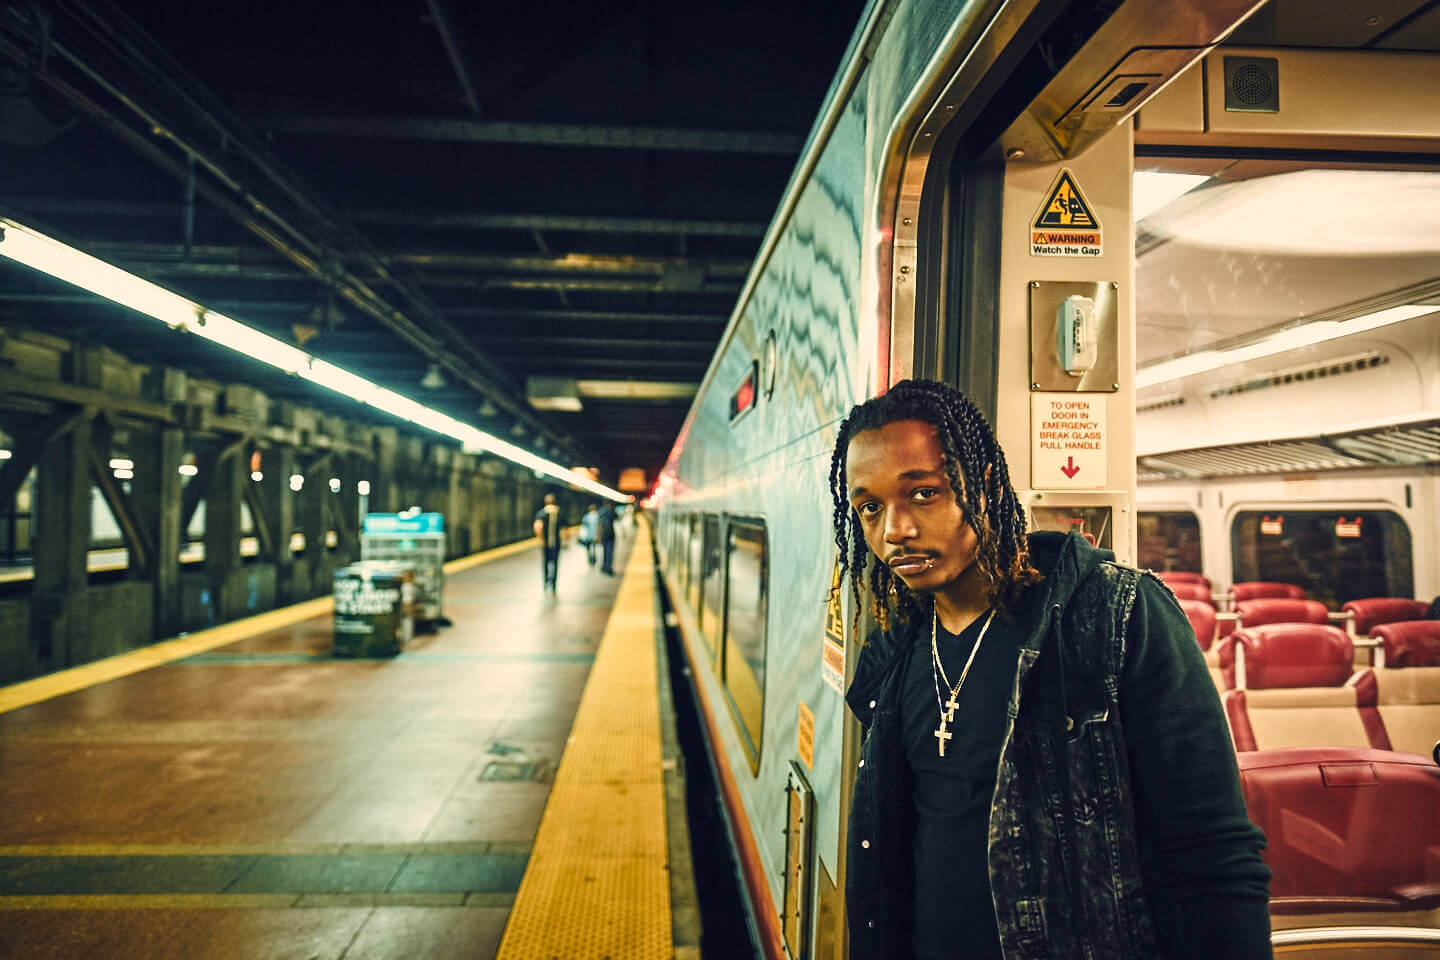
240,793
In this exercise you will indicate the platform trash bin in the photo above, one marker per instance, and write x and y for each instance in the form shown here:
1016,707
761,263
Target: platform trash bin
374,609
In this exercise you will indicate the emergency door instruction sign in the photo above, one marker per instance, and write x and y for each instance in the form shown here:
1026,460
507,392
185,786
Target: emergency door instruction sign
1065,225
1068,437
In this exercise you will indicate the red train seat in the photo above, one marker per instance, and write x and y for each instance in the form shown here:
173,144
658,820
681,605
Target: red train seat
1202,621
1346,829
1173,577
1409,703
1267,610
1260,589
1289,655
1372,612
1191,591
1285,717
1410,643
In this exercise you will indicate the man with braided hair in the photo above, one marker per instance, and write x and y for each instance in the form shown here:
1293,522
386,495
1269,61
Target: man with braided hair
1046,770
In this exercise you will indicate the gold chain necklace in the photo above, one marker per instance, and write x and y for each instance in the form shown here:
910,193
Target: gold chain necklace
937,670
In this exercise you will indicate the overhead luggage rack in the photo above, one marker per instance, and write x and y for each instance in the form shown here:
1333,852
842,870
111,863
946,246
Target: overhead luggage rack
1395,444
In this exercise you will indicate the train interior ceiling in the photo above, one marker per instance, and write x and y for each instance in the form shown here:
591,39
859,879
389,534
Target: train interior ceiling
1270,296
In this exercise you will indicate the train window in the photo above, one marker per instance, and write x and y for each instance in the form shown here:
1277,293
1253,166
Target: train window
1169,540
746,589
1336,555
712,589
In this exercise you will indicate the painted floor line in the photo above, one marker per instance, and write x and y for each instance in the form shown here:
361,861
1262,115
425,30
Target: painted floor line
243,659
251,901
58,684
478,848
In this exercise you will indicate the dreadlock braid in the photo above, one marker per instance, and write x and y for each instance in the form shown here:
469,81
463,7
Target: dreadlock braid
979,479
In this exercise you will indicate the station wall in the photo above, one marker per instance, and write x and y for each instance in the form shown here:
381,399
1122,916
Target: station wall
139,502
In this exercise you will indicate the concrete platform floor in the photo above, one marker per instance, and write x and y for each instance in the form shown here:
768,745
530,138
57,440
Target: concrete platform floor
263,800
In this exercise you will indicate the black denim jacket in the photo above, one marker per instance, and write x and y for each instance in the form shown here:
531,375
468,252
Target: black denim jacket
1118,828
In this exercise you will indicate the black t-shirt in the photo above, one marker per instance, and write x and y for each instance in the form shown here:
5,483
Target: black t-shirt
549,518
954,911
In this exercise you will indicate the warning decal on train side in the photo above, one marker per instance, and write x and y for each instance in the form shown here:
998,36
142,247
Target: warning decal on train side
1066,225
832,647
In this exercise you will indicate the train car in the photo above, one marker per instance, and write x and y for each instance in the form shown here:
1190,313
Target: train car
1183,256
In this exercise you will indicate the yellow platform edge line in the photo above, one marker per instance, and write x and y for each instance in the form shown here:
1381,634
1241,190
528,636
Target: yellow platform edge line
29,692
575,903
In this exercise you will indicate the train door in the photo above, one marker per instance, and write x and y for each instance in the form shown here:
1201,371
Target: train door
1006,266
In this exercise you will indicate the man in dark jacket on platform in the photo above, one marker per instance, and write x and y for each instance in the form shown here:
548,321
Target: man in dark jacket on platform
1046,770
606,526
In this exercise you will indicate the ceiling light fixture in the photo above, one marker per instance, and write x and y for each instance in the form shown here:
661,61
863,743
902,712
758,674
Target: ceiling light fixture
433,379
1293,338
553,393
62,261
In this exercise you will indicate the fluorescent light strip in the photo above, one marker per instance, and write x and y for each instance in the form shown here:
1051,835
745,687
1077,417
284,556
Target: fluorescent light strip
64,262
1294,338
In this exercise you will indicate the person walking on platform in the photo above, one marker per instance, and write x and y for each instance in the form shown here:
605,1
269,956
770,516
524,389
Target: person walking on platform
1046,769
606,523
547,530
589,530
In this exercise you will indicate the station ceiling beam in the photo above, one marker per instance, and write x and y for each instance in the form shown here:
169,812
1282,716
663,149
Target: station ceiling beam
595,263
522,314
450,130
662,226
472,220
444,21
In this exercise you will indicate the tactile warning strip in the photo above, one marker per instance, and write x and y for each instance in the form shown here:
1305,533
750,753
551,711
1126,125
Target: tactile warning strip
597,885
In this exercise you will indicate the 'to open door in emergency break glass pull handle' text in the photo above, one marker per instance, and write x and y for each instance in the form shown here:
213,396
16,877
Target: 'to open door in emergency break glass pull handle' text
1076,335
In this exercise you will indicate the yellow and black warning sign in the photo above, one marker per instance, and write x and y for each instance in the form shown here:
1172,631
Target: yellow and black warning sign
832,648
1065,225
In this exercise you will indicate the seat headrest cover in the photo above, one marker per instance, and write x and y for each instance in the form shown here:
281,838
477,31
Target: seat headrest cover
1256,589
1191,591
1410,643
1259,612
1372,612
1290,655
1202,621
1184,576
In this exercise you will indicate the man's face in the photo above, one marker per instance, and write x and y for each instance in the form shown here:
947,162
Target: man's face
897,484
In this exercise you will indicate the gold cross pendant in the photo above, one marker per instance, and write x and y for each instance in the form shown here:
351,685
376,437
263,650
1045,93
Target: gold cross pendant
941,734
950,706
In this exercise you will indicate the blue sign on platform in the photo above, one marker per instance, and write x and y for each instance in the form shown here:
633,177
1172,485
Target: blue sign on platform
412,523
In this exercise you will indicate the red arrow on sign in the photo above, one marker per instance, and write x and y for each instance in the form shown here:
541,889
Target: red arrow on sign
1070,469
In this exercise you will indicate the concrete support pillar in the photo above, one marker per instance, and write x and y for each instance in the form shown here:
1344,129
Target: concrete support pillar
156,495
315,521
223,496
384,485
451,499
61,615
350,470
278,501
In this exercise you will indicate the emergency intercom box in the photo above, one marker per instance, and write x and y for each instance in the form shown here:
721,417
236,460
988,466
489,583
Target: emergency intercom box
1073,337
